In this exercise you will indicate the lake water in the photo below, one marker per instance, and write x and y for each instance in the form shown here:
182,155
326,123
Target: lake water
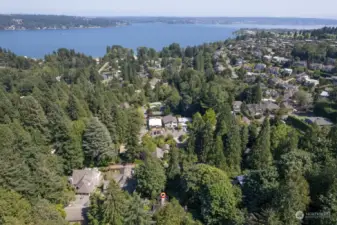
93,42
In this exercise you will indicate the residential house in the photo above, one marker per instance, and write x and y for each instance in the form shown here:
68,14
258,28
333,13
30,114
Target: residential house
324,94
255,110
270,106
309,81
257,54
300,64
237,106
239,62
271,93
274,81
183,121
154,123
328,68
122,174
170,121
289,92
260,67
315,66
305,79
267,57
279,59
330,61
287,71
259,109
320,121
274,70
85,182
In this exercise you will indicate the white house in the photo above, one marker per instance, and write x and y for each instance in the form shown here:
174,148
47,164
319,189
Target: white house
155,122
310,81
324,94
287,71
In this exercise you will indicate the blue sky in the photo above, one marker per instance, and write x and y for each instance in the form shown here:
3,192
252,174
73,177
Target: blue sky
273,8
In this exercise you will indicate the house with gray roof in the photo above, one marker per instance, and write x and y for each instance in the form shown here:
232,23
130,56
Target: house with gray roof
85,181
260,67
237,106
170,121
320,121
260,109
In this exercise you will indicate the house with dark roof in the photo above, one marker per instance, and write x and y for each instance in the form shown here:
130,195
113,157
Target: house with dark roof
300,64
170,121
260,67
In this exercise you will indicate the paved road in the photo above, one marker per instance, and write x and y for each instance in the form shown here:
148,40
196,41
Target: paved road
234,75
103,67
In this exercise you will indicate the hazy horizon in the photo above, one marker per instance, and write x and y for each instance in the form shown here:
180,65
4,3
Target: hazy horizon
168,16
324,9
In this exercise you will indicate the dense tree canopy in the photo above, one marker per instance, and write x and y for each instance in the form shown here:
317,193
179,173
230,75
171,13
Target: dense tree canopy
224,167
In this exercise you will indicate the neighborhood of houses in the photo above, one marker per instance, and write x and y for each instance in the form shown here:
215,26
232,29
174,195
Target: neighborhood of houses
266,61
269,61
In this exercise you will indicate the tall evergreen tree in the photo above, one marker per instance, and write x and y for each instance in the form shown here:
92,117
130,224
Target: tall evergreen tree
261,155
32,114
151,178
7,110
64,142
233,150
173,169
97,144
257,93
136,212
207,143
223,120
244,137
74,109
217,157
114,205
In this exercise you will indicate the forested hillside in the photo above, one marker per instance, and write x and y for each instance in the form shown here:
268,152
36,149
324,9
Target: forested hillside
37,22
60,114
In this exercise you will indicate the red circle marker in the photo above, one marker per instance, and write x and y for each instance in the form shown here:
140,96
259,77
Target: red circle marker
162,195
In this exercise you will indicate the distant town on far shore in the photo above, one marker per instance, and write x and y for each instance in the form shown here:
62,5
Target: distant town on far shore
47,22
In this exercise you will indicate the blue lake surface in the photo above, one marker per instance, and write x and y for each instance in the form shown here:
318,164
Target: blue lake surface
37,43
